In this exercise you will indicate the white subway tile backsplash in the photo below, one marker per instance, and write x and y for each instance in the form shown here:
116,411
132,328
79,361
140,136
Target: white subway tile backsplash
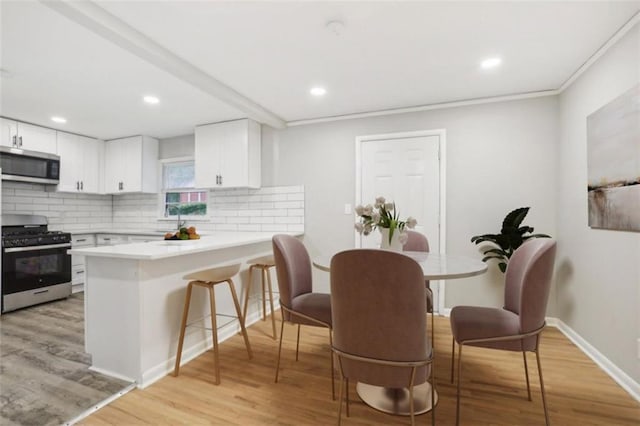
275,209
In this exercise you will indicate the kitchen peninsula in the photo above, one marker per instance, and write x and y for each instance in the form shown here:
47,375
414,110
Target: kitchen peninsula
134,296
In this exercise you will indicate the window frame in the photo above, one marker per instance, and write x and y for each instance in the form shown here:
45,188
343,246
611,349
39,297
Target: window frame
162,193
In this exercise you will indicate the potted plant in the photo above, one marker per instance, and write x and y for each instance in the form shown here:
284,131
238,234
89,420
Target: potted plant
511,236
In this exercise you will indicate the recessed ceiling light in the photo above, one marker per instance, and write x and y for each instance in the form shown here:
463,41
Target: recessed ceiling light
59,119
152,100
490,63
318,91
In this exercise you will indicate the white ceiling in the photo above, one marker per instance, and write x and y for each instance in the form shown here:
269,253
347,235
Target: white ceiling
389,55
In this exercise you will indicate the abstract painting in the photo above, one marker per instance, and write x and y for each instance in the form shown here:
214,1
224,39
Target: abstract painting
613,155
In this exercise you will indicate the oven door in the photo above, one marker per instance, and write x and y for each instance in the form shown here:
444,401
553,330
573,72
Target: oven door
28,268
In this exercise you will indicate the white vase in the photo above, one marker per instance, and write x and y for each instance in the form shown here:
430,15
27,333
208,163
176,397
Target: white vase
394,244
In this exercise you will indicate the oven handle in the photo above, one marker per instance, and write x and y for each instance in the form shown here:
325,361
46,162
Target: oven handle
33,248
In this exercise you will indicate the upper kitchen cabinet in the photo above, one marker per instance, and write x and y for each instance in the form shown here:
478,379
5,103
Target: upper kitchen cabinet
131,165
27,136
81,164
227,155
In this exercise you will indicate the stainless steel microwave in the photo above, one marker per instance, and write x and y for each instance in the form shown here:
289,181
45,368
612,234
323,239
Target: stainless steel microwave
29,166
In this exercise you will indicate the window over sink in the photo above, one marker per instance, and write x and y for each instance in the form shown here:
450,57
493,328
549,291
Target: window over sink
179,197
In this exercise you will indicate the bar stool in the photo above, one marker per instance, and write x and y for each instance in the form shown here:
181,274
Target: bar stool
208,278
263,263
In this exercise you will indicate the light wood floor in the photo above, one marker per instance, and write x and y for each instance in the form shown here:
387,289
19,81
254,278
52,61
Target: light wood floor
494,389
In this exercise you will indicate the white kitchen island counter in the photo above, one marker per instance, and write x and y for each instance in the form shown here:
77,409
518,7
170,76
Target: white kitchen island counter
134,296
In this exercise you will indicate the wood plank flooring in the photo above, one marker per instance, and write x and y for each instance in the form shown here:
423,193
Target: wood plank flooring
44,371
494,389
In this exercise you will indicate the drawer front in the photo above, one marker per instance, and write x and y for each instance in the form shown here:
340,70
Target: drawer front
83,240
77,260
110,239
77,274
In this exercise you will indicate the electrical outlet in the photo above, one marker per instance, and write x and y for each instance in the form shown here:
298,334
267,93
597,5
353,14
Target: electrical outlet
347,209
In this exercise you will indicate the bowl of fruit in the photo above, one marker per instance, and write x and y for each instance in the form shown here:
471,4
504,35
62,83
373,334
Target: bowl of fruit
183,234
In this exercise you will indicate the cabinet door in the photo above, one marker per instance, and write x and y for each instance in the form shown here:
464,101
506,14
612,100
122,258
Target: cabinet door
123,165
92,158
36,138
207,154
8,129
234,154
70,150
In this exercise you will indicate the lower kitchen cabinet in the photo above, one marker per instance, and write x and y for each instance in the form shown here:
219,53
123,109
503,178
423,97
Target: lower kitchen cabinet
77,262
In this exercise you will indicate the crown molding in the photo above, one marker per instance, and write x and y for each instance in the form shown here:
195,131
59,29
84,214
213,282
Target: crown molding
420,108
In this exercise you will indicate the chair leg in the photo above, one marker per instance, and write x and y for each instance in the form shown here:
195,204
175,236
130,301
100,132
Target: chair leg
264,293
411,404
333,386
280,345
214,329
183,326
240,317
298,342
347,389
246,295
340,400
544,399
273,313
526,374
433,395
458,388
453,356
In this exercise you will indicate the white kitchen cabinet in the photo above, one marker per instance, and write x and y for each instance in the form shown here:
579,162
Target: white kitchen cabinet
78,262
27,136
131,165
227,155
81,164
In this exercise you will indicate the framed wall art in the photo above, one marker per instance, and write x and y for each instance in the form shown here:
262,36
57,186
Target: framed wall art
613,162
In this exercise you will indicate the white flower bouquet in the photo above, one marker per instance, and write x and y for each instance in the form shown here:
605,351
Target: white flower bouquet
383,214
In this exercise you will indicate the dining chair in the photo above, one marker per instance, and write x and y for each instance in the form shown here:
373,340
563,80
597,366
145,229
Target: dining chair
516,326
417,241
298,303
379,323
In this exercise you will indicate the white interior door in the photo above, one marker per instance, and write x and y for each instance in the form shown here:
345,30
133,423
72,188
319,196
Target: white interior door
404,169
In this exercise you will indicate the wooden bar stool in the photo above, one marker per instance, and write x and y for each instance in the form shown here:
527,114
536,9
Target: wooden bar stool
263,263
208,278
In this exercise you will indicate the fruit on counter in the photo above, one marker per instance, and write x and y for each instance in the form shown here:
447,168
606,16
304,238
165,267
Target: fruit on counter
183,234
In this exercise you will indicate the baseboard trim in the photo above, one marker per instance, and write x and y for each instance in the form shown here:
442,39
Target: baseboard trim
620,377
156,373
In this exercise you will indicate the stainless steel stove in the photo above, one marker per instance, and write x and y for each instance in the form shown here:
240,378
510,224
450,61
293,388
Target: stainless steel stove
35,265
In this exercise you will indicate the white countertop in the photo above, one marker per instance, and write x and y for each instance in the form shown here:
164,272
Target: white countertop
172,248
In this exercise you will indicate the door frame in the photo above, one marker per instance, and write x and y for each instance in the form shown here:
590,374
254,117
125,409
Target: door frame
442,162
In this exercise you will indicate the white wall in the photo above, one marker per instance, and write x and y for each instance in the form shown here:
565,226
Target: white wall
499,156
598,275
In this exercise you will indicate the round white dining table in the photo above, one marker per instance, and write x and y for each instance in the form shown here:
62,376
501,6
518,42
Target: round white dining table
435,266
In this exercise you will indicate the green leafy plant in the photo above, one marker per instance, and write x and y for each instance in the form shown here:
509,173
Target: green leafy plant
511,236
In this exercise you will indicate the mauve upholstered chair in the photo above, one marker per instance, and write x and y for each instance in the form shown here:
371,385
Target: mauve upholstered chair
417,241
298,304
379,323
518,325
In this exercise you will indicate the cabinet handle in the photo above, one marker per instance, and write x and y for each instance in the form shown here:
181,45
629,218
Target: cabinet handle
79,272
77,186
220,179
14,141
81,240
20,139
107,239
82,185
